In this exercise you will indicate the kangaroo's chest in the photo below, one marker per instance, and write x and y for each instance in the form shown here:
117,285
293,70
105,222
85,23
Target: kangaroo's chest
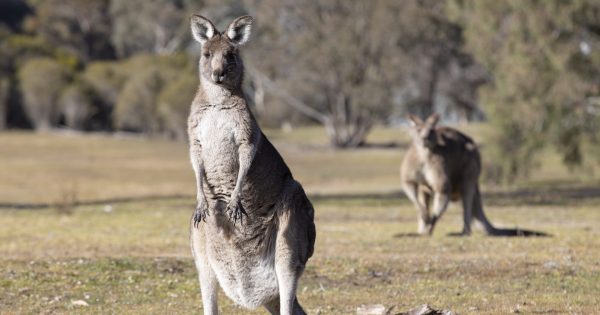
433,174
218,132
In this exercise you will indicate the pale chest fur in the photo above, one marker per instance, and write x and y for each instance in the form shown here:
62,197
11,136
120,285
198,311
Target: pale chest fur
426,168
217,132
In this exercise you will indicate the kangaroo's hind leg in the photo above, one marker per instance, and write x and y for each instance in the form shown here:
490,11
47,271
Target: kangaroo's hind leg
440,204
425,204
468,198
206,276
413,193
294,245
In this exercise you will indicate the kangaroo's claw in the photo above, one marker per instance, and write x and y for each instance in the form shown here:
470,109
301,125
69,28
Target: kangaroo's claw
200,214
236,211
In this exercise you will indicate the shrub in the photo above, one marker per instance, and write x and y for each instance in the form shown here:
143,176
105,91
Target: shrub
174,104
42,81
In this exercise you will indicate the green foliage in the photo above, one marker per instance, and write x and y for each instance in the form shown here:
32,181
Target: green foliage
174,103
137,106
106,78
544,77
42,81
148,26
81,27
77,105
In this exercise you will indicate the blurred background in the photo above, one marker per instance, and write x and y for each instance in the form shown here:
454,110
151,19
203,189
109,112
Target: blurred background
95,177
531,70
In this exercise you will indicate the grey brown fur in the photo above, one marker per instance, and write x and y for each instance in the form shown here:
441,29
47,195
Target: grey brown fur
444,165
253,229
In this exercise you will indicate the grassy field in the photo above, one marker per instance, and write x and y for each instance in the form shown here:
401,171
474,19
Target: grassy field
103,221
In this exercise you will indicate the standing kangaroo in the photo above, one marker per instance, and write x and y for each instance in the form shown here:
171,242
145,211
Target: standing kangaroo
253,228
441,165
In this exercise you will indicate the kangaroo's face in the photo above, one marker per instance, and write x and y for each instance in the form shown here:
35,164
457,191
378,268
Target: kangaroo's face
220,61
423,133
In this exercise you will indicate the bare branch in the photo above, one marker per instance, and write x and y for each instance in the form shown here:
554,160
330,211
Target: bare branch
288,98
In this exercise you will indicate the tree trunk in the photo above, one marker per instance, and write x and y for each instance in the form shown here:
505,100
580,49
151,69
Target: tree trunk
4,91
349,126
346,127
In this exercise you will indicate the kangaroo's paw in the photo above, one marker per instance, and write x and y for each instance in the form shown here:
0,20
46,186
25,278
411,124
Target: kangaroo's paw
200,213
431,225
236,211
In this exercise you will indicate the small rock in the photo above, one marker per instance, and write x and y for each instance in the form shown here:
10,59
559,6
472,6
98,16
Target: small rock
24,291
79,303
551,265
427,310
108,208
374,309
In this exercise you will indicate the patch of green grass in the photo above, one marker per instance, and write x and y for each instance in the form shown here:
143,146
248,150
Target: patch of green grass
136,259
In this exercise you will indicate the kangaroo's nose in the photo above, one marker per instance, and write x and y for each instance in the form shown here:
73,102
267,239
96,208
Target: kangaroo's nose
218,75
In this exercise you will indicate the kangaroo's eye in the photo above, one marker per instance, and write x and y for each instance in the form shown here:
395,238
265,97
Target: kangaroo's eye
206,54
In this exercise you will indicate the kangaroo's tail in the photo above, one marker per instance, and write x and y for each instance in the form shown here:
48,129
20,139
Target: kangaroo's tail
490,229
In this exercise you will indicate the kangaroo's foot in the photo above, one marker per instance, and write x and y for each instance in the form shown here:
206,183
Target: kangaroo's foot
431,225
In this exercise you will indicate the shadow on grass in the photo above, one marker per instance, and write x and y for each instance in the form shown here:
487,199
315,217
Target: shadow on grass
507,233
549,194
544,195
98,202
407,235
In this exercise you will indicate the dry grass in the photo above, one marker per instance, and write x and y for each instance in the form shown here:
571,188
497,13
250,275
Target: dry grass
134,257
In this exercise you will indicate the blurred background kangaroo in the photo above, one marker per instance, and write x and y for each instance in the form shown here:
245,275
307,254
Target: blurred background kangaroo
253,229
443,165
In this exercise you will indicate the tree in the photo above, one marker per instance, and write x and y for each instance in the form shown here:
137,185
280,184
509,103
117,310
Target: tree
149,26
137,106
4,93
348,64
78,105
174,103
42,81
340,60
546,75
82,27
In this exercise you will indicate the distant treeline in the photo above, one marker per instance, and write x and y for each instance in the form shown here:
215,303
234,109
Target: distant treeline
533,67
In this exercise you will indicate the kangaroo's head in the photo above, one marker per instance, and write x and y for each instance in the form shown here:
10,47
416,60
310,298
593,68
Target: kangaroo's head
220,61
423,132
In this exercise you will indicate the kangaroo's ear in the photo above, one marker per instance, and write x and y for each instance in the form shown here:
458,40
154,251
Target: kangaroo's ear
433,120
239,30
202,28
414,120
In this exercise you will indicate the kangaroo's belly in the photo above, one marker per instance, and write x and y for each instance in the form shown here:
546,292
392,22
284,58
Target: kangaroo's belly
246,276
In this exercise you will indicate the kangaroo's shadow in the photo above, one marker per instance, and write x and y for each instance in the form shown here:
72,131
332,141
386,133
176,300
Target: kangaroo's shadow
405,235
508,233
